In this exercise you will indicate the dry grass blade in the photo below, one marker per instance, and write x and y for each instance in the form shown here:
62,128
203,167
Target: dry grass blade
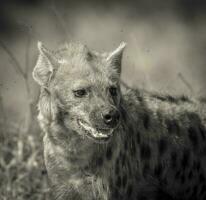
27,55
183,79
60,21
16,65
3,116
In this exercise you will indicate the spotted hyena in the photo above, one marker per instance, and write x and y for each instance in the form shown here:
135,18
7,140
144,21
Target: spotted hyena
100,144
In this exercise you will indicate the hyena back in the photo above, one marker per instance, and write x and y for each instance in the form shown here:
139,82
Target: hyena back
100,144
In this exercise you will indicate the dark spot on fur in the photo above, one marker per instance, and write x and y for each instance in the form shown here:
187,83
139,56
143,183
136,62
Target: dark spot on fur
123,114
190,175
109,153
187,191
164,181
172,126
117,167
118,182
141,197
145,151
123,158
159,97
125,145
89,56
196,165
194,191
180,193
185,98
203,189
193,136
174,159
110,182
193,117
129,168
104,186
43,172
171,99
139,96
141,99
133,148
130,131
61,115
160,116
129,191
145,169
124,180
116,193
146,121
177,175
158,170
162,146
202,99
185,159
162,195
202,132
138,137
99,161
182,178
201,178
203,152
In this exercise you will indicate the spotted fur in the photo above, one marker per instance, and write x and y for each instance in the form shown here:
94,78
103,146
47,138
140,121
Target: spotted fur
157,150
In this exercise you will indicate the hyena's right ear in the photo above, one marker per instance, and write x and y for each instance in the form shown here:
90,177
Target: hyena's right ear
45,66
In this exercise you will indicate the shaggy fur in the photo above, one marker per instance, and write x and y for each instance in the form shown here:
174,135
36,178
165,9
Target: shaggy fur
154,148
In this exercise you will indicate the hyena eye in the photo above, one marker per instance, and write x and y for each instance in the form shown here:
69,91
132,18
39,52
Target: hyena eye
113,91
80,93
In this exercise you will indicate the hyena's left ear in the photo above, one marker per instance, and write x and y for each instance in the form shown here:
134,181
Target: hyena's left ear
115,58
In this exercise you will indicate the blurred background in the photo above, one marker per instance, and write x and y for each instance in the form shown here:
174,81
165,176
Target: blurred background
165,52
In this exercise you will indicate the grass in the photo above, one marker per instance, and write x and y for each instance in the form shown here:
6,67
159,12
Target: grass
22,172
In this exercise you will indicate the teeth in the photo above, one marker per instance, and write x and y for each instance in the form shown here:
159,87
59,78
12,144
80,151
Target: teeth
93,131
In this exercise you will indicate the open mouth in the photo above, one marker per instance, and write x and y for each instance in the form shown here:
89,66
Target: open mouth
96,134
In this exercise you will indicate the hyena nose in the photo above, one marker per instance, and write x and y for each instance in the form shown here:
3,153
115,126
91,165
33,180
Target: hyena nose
111,117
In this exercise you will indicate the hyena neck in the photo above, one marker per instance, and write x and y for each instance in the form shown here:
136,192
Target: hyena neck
135,115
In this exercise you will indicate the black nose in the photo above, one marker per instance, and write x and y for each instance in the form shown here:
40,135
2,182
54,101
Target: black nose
111,117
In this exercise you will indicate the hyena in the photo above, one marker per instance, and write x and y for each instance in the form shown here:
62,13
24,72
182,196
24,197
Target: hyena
101,144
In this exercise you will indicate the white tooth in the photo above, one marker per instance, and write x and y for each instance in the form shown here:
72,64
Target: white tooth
94,132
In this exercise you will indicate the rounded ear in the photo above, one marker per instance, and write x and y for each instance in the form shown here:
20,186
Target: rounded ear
115,58
45,66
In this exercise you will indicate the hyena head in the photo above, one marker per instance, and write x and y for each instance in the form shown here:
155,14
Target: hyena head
82,87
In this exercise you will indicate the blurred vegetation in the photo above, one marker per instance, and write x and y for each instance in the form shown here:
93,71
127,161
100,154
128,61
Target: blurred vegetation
22,172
